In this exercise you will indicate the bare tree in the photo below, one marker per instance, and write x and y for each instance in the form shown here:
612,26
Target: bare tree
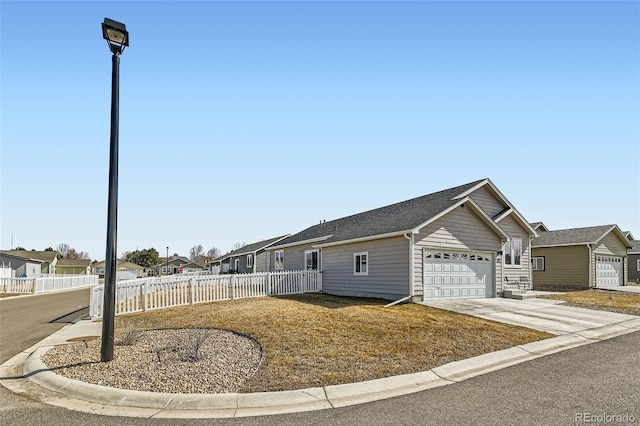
196,252
214,252
236,246
63,249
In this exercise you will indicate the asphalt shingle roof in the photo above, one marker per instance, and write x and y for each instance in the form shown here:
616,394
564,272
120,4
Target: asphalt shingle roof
574,236
74,262
635,247
45,256
249,248
392,218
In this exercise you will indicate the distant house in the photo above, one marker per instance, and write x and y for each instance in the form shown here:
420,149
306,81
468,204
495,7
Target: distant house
539,227
124,269
73,266
48,258
191,267
20,265
462,242
634,261
628,235
250,258
580,258
172,266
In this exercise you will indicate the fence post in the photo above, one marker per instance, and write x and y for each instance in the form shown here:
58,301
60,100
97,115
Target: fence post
233,287
190,285
144,296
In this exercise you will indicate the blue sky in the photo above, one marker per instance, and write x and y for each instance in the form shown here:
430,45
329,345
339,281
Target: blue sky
241,121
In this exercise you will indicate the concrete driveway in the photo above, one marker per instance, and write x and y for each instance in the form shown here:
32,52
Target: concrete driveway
551,316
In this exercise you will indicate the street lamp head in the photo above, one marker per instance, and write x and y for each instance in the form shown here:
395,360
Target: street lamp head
116,35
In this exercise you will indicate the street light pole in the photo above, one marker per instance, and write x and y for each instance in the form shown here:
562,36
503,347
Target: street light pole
117,38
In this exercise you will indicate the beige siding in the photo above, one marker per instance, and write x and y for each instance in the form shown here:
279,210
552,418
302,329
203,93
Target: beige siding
517,273
460,229
489,203
388,269
564,267
610,245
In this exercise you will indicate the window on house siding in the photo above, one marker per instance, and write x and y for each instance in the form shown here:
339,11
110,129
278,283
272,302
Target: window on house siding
311,260
638,265
249,261
513,252
279,263
537,263
360,265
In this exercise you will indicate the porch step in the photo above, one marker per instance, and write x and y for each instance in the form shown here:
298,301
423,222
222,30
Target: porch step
509,293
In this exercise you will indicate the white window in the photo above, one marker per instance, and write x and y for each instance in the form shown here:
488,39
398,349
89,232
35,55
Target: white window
236,264
513,252
249,261
279,266
360,265
311,260
638,265
537,263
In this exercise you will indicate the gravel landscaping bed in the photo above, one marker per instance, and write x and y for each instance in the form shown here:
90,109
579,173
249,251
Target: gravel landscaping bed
164,361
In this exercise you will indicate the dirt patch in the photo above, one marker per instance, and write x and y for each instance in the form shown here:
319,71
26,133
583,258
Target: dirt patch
606,300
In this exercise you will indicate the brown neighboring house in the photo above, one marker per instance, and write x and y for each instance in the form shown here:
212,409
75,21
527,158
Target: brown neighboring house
580,258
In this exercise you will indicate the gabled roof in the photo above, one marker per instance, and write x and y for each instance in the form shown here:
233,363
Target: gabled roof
539,226
628,235
83,263
395,219
635,247
192,265
45,256
577,236
251,248
22,258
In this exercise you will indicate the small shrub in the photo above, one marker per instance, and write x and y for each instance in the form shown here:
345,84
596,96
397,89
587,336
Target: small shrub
130,334
193,341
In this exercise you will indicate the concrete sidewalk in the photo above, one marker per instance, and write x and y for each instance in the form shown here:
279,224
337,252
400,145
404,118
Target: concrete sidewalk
26,374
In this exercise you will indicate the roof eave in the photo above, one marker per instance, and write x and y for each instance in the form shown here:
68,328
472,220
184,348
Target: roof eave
363,239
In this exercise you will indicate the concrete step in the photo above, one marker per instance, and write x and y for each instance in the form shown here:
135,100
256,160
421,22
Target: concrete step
517,294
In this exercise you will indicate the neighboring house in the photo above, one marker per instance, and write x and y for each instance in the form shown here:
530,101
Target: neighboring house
73,266
20,265
628,235
173,266
124,269
633,261
463,242
48,258
247,259
580,258
191,267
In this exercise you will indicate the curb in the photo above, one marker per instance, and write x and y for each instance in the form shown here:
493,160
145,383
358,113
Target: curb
26,374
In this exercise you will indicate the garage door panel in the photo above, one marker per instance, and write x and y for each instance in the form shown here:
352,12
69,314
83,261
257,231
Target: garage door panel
609,271
457,275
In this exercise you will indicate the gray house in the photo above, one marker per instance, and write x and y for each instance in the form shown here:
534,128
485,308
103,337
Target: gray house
463,242
248,259
20,265
580,258
633,261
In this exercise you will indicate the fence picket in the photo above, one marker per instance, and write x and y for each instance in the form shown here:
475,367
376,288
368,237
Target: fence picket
145,294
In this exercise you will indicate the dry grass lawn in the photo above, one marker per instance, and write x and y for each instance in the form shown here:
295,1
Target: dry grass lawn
315,339
613,301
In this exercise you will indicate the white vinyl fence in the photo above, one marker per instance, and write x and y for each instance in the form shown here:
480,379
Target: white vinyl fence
46,284
175,290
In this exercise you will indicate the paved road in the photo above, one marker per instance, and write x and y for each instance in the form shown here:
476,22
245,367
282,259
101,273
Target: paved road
596,379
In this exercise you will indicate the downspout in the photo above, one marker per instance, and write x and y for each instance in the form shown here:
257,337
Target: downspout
590,266
411,280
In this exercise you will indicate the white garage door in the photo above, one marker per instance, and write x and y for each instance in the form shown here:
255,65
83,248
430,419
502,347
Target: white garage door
608,271
457,275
